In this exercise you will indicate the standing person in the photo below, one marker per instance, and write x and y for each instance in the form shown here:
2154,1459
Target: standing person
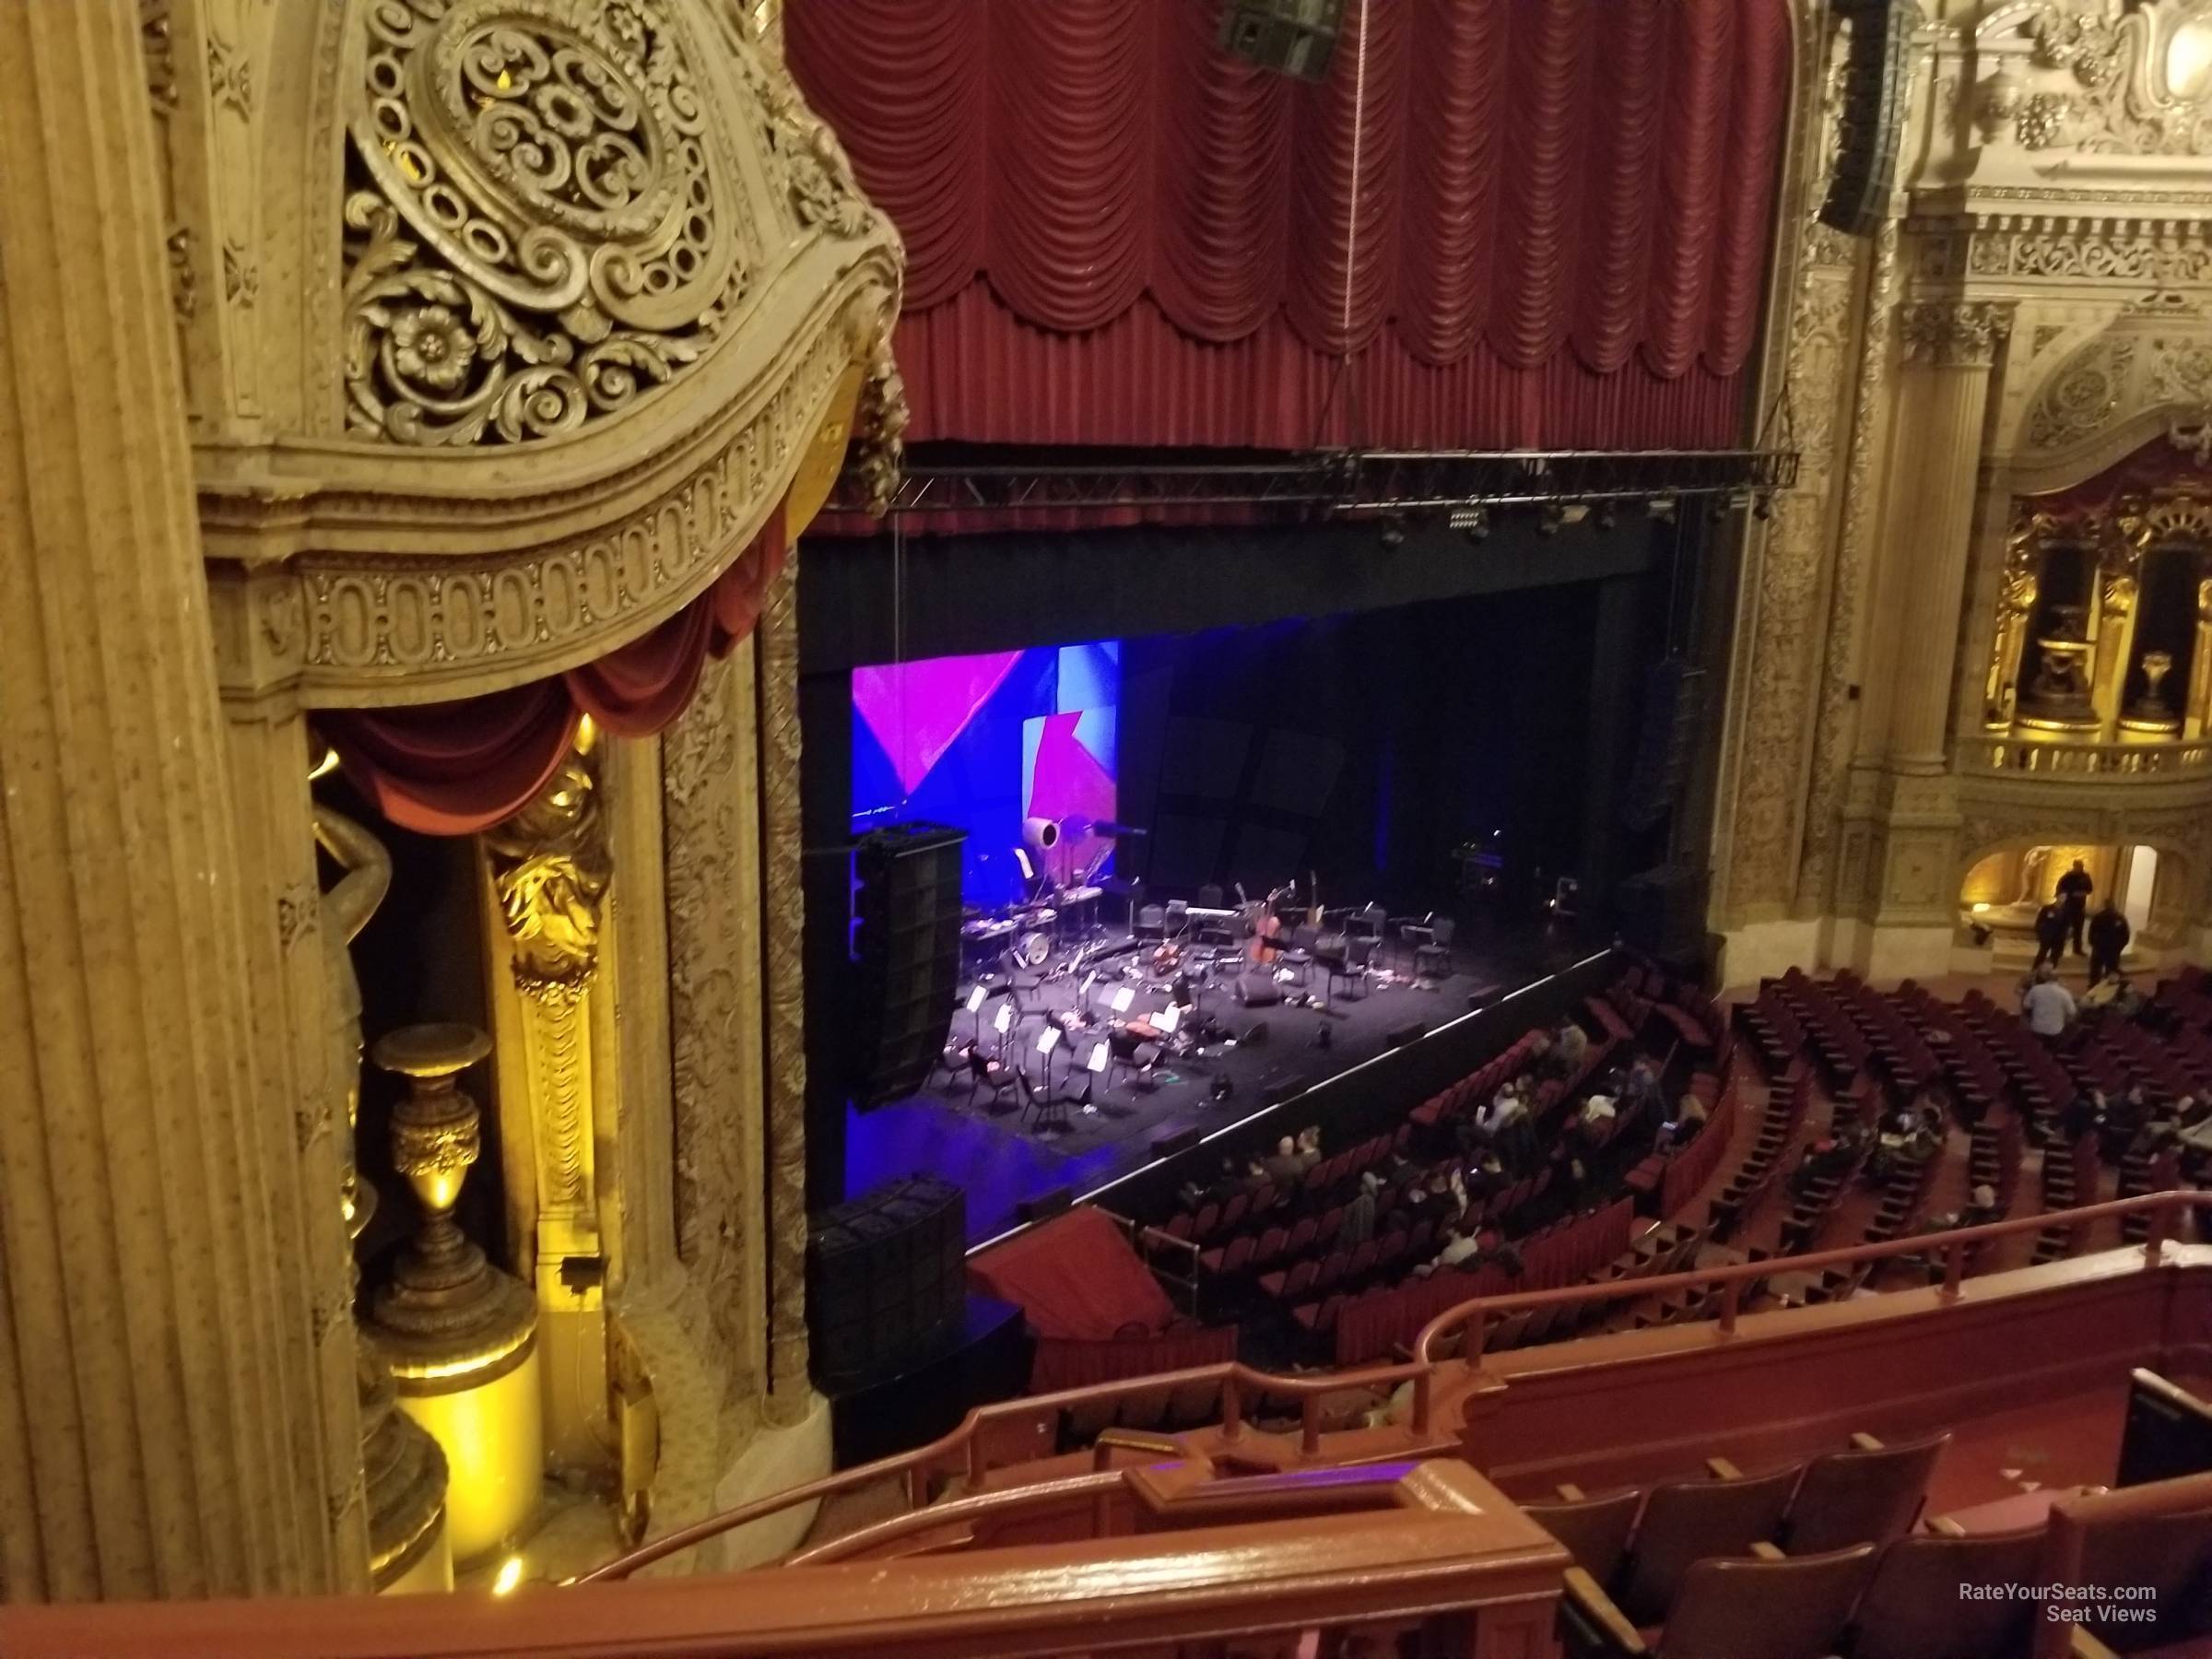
2049,936
2109,934
2074,889
2046,1005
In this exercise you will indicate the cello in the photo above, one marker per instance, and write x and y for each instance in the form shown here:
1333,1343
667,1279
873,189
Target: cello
1267,931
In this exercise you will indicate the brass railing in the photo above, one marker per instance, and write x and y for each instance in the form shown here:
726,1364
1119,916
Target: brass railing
2008,755
1031,1421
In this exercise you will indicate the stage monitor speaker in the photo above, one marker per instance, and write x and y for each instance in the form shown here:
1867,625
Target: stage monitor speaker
1255,1036
1292,37
1043,1204
1877,82
1661,912
1412,1031
906,958
887,1278
1168,1142
1258,990
1279,1086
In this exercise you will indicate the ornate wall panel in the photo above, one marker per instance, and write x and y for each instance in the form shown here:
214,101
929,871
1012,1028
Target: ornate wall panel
1835,724
715,1010
1783,669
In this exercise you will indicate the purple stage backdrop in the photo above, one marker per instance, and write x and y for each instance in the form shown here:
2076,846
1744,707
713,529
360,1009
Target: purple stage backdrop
985,743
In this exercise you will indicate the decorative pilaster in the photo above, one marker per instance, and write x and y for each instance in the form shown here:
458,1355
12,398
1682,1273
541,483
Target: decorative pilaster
550,871
777,642
159,1408
1952,346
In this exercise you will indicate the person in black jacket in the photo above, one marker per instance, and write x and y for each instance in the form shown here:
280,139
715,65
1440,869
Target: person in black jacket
2074,889
2050,937
2109,934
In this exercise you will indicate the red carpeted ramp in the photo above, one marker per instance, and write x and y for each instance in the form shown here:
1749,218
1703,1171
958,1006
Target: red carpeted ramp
1076,1276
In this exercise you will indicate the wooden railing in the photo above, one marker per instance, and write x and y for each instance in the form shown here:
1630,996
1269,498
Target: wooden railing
1027,1427
1322,1560
2008,755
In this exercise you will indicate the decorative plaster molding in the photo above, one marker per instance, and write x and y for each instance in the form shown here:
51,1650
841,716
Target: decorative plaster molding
373,623
1955,333
545,215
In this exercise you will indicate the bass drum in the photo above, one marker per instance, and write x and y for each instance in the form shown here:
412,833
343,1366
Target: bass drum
1033,950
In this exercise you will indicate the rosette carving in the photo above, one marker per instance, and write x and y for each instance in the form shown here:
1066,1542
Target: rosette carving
544,218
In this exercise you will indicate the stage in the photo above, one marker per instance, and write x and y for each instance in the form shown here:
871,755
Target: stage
989,1143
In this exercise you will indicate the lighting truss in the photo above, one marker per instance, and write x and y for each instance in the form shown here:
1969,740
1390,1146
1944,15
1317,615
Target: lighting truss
1347,483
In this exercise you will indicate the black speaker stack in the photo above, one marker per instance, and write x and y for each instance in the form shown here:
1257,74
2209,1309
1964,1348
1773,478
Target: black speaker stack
906,958
1673,702
1662,912
1291,37
1878,80
887,1274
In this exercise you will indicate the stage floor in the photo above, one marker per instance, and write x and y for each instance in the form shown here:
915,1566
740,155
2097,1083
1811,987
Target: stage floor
989,1151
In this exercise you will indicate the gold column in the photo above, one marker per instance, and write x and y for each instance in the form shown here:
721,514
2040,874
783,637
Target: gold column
2197,711
158,1367
1943,400
549,873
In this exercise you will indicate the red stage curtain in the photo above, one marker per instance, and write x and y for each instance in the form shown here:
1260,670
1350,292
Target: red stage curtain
1555,231
457,767
1076,1276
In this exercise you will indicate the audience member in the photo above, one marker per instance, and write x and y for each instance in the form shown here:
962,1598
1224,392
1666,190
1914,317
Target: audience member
1570,1049
1308,1152
1359,1225
1284,1169
2046,1005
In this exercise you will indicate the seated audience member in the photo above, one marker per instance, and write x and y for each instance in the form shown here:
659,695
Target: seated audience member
2081,1115
1642,1091
2047,1005
1689,1117
1981,1207
1597,1111
1359,1225
1284,1169
2196,1123
1485,1178
1309,1146
1461,1245
1257,1176
1570,1049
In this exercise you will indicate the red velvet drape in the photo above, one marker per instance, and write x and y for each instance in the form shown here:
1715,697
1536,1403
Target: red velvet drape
457,768
1554,234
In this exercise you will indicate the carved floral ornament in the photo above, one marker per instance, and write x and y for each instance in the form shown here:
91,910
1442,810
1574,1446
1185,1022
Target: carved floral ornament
546,215
2126,76
1955,333
2156,368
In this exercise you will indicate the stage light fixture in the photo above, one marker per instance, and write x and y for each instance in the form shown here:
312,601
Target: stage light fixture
1474,522
1762,506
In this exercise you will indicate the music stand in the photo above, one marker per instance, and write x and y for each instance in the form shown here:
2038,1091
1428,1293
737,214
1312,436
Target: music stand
976,999
1048,1044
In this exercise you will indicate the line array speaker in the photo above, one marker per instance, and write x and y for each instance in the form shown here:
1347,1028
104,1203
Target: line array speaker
1673,703
906,958
886,1275
1291,37
1878,80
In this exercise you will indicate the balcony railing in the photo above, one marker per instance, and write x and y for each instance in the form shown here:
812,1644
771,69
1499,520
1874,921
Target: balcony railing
2013,756
1026,1430
1321,1560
